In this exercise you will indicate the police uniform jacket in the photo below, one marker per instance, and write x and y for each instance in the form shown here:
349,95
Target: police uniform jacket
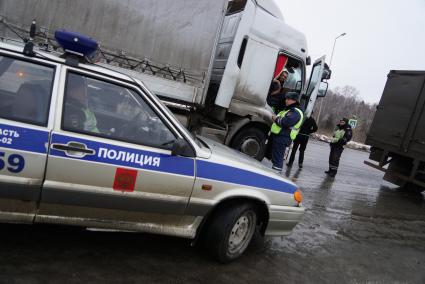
288,121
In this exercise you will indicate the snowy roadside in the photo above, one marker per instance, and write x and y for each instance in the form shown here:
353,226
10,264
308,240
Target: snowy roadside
351,144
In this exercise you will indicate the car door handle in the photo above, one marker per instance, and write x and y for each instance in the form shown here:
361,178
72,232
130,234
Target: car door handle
74,147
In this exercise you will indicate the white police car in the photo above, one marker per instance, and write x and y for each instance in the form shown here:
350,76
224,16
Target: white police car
84,145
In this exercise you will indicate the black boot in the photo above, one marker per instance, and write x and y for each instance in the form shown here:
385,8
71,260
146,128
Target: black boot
332,173
328,171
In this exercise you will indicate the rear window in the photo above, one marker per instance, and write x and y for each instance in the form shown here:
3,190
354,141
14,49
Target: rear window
25,90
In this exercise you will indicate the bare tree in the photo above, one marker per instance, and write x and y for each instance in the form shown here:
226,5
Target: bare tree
345,102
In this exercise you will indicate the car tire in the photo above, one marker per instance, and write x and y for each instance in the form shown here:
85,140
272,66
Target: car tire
247,140
231,231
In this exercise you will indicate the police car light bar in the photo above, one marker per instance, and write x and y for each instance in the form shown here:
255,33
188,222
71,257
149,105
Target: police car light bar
77,44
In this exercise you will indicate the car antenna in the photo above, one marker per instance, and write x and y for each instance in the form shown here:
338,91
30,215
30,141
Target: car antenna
29,44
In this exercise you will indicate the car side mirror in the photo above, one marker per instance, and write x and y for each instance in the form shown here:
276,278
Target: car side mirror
323,88
182,148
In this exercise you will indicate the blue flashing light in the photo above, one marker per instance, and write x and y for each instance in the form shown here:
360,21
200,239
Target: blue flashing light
76,43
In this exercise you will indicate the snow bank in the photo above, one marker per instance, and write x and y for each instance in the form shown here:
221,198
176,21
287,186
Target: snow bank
351,144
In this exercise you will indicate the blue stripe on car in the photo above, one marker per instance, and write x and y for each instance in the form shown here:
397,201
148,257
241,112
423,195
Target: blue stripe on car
25,139
225,173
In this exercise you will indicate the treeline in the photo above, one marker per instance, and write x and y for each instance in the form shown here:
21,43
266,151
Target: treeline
344,102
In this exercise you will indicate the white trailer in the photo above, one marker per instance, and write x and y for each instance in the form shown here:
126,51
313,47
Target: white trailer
211,62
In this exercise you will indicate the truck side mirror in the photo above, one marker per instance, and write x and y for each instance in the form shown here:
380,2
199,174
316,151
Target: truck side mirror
326,75
323,88
298,86
182,148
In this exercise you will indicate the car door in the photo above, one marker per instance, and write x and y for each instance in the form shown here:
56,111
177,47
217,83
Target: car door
313,86
110,158
26,87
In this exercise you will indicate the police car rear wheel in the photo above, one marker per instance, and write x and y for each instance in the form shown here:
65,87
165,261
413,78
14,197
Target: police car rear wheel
231,231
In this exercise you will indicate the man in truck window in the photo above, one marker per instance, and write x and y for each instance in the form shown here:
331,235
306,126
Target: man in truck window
285,128
341,136
276,98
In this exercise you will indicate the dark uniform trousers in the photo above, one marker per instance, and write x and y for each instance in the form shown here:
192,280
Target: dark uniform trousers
301,141
334,157
279,144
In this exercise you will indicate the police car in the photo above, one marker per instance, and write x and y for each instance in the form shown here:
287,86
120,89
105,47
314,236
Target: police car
84,145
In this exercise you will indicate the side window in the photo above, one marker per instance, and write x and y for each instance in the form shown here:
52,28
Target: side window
294,69
25,91
288,75
112,111
314,79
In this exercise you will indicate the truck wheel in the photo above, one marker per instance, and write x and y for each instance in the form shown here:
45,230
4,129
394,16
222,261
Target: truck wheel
412,188
251,141
231,231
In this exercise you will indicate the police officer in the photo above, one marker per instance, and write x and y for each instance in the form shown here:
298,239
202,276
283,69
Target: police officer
309,126
341,136
78,114
285,128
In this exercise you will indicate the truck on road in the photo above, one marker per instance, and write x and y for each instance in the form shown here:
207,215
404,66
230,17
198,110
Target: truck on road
397,133
210,62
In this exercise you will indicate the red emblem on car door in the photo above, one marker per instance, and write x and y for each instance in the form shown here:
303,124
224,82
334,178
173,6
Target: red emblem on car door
125,180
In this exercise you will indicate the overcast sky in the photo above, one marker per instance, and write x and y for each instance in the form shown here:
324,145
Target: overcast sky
381,35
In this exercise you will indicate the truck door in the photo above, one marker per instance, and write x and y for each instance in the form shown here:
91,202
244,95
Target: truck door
258,65
25,96
110,157
312,89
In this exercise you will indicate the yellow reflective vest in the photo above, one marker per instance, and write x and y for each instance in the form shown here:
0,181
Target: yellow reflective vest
338,135
294,129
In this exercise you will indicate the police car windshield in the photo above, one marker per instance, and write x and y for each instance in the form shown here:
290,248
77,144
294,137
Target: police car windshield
196,139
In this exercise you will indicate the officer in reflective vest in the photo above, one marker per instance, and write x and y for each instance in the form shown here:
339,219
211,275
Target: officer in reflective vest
78,114
285,128
341,136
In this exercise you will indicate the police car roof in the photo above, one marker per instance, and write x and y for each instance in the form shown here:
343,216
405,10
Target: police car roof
54,57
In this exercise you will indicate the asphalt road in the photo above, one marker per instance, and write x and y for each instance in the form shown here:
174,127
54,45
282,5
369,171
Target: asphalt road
357,229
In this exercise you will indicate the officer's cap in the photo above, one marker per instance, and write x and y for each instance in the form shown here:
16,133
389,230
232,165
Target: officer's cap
293,96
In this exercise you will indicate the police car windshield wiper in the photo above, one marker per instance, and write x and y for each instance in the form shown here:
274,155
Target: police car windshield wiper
201,142
168,142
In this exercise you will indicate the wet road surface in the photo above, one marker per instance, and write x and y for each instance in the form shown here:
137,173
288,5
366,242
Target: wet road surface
357,229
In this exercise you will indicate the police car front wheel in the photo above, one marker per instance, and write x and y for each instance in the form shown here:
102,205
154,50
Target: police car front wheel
231,231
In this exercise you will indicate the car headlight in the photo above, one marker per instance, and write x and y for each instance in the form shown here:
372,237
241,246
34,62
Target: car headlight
298,196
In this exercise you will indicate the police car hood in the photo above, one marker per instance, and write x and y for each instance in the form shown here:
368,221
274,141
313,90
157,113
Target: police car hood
224,155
